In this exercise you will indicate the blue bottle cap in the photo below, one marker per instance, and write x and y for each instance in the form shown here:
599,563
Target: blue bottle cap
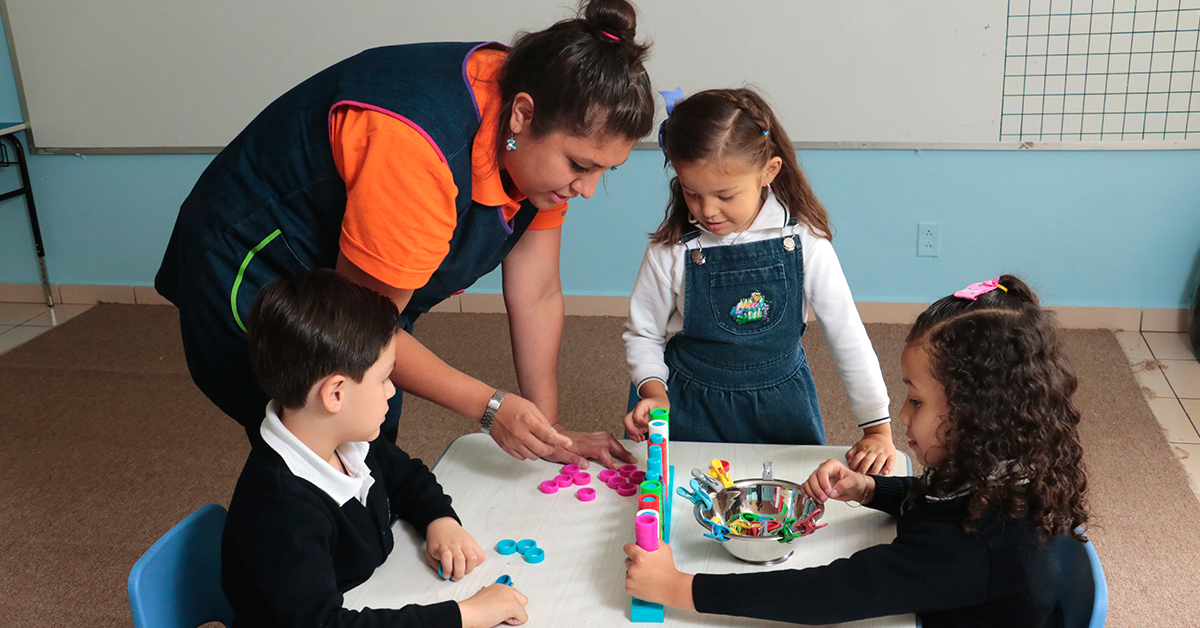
525,544
534,555
506,547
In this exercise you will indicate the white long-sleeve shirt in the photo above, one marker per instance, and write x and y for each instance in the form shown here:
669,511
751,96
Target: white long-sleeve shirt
656,310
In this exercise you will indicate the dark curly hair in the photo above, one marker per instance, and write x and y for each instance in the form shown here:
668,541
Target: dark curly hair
1010,436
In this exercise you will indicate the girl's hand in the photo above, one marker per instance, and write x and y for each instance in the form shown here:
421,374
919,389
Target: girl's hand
652,577
834,480
637,422
494,604
875,453
523,432
449,545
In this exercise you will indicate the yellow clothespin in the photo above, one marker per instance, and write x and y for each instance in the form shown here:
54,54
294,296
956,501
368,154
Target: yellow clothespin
717,470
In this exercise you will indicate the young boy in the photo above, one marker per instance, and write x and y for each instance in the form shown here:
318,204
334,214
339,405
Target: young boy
311,515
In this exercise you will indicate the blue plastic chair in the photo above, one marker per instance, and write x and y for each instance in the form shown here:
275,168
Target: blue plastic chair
1083,602
177,582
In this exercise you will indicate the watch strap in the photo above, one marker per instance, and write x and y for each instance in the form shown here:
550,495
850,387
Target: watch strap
489,415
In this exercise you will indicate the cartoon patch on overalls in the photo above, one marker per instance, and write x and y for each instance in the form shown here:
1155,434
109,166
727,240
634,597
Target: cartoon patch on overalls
750,309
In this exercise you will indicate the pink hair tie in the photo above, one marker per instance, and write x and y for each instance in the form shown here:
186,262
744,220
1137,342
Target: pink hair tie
611,36
975,290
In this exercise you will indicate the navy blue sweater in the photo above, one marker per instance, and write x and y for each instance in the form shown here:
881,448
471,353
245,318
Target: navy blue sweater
1003,575
289,551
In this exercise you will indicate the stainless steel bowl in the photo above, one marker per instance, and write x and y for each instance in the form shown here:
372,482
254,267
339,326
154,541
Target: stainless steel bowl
761,497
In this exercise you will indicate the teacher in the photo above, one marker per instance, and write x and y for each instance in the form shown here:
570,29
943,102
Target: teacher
414,170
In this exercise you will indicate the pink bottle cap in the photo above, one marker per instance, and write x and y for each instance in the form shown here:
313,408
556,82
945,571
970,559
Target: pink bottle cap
585,494
548,487
606,475
627,489
582,478
627,469
564,480
637,477
615,482
570,469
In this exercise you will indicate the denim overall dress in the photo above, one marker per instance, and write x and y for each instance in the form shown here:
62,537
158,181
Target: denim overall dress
271,204
737,371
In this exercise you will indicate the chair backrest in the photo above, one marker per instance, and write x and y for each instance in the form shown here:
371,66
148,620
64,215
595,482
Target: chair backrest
177,582
1083,594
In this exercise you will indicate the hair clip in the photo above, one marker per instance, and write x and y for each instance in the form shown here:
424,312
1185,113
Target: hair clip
975,290
669,99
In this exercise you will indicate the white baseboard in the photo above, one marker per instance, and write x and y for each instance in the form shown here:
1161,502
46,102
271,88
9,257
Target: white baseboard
1116,318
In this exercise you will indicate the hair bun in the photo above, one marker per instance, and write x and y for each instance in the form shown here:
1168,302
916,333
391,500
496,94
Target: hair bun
615,17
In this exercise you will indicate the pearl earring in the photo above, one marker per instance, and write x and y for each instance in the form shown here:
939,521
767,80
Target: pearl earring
510,144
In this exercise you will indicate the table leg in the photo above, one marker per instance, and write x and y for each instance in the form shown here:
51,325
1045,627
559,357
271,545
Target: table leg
27,190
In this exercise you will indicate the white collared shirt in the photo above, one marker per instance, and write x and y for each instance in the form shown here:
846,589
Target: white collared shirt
304,463
656,310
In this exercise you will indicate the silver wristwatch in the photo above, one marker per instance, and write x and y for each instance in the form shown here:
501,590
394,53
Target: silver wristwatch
489,415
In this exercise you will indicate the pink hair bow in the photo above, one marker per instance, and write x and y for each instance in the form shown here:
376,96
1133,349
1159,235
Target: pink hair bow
973,291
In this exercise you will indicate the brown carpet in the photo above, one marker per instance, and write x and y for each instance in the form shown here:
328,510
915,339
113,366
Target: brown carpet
107,443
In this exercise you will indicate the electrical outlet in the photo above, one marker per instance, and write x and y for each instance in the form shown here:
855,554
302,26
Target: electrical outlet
927,239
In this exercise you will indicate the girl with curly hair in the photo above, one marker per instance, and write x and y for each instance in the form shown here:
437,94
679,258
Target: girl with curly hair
989,415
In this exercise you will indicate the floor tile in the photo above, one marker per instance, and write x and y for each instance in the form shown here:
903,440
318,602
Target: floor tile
1174,420
1189,455
1167,346
17,313
1154,383
18,336
57,315
1134,345
1184,376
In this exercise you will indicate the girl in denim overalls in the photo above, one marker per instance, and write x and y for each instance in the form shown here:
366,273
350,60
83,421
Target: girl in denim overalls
743,255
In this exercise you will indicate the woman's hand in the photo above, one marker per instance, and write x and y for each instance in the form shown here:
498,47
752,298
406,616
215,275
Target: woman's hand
834,480
522,431
652,577
598,446
449,545
494,604
654,396
875,453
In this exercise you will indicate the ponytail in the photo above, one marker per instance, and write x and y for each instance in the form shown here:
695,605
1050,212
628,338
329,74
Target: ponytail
715,124
586,75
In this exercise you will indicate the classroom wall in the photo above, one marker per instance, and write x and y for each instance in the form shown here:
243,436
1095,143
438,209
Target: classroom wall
1087,228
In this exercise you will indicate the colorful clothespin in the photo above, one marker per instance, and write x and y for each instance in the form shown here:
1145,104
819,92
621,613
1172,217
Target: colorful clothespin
718,471
708,481
697,495
720,532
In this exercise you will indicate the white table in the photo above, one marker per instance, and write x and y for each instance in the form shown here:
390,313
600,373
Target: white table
581,581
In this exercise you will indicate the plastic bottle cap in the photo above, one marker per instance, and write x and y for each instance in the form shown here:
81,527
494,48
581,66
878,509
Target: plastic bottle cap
585,494
627,489
570,469
582,478
548,487
564,480
606,475
627,469
615,482
637,477
506,547
534,555
525,544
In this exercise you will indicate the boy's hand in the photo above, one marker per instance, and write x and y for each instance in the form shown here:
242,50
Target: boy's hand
494,604
449,545
599,446
833,480
875,453
654,396
652,577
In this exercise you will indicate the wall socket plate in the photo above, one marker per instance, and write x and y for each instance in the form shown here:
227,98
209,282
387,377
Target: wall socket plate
927,239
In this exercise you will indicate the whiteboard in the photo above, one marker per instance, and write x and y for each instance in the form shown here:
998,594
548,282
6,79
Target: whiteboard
185,76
